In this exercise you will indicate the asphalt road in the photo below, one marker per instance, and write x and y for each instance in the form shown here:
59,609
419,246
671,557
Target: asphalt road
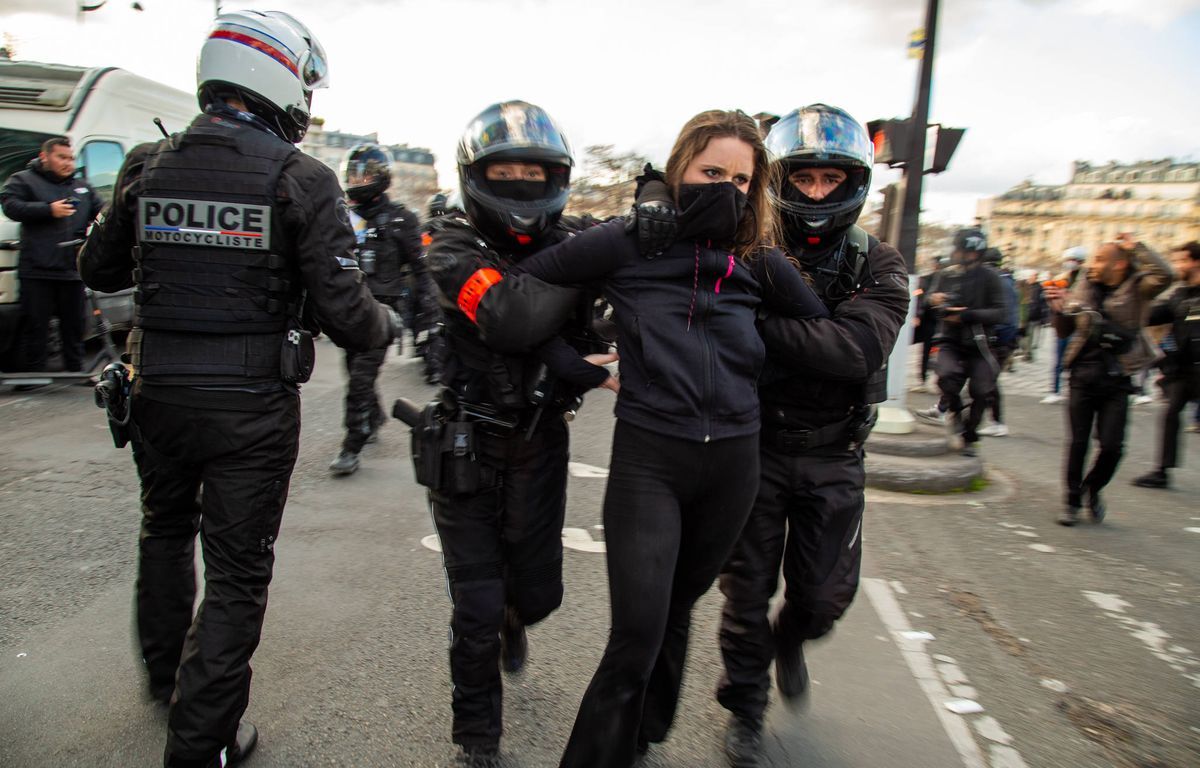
1081,647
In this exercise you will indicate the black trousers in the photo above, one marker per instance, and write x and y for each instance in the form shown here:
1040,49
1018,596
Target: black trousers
43,299
501,547
808,517
958,366
672,512
1102,404
1003,353
364,414
1180,390
224,474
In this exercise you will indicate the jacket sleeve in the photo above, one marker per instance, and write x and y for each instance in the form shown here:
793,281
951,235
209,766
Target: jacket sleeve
1154,274
316,221
19,203
408,241
106,260
783,288
587,257
995,304
853,343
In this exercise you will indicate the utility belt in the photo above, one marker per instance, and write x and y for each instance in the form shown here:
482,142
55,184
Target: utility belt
847,434
446,442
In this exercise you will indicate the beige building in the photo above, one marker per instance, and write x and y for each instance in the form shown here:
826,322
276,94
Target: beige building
1158,201
414,178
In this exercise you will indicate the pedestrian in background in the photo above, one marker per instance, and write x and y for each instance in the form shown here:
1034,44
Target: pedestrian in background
54,209
1103,317
220,345
1003,340
1072,262
1181,364
1033,315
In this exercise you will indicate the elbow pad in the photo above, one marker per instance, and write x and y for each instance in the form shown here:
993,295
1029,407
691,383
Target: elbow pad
473,290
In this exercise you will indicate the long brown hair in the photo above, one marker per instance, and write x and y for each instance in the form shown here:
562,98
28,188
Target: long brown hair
758,228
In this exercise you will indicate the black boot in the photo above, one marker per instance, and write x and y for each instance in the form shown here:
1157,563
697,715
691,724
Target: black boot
243,745
514,645
479,757
1069,516
345,464
791,672
1156,479
743,742
1096,506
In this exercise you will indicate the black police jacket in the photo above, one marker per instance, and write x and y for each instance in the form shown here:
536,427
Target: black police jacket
310,233
978,288
818,369
26,198
690,353
392,236
479,370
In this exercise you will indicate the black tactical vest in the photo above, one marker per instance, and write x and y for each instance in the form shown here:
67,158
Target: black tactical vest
214,288
379,254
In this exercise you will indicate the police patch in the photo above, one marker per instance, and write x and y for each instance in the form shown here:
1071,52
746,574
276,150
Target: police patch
204,223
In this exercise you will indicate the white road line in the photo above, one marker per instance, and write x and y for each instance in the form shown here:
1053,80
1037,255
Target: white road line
1150,635
578,469
573,538
892,615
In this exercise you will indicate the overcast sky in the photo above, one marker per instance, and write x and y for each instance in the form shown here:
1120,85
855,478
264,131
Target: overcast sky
1037,83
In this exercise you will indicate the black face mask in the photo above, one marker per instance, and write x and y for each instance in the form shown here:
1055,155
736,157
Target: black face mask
524,191
711,211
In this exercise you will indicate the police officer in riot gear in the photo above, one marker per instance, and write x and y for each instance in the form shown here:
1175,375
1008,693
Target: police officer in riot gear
238,245
817,392
498,485
970,301
388,244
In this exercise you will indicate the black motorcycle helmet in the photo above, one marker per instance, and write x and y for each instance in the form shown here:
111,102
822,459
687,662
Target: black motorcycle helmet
514,212
820,136
366,172
994,257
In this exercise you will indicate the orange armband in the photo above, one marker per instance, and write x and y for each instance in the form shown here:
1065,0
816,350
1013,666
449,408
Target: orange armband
472,291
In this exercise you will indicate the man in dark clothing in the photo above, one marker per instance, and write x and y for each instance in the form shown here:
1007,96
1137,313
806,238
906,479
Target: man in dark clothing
1102,319
388,242
1181,366
238,244
971,302
817,392
1003,341
500,499
54,209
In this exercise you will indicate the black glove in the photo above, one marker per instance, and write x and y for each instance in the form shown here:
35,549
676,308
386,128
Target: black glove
395,324
653,215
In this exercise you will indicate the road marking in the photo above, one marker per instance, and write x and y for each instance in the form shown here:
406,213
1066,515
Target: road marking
572,538
585,470
887,607
581,541
1150,635
1192,530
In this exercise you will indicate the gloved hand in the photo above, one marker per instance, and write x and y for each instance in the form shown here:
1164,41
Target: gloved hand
395,324
653,215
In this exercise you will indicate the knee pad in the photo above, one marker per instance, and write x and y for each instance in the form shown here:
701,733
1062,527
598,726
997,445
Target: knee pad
536,592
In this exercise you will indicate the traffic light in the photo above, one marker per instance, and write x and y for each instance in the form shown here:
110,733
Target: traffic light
890,138
892,141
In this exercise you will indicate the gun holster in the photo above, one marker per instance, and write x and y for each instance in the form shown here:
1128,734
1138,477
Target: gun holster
112,394
445,454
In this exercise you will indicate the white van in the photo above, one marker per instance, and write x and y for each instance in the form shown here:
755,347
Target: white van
105,112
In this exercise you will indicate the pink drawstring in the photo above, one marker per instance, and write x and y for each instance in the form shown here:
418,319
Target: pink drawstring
728,272
695,284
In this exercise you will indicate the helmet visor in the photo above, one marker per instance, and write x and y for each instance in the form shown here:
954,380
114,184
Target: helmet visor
313,64
512,126
820,136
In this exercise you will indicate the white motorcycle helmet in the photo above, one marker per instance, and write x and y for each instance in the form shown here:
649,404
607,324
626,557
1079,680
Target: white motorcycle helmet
270,60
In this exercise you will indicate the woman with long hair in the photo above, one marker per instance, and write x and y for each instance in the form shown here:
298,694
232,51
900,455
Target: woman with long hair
685,461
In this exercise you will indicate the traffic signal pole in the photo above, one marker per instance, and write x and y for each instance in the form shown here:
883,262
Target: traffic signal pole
894,417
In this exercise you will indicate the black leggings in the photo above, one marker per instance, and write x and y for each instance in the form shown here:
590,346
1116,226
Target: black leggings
672,512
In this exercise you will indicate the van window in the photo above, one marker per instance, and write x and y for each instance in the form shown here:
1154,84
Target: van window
17,148
99,162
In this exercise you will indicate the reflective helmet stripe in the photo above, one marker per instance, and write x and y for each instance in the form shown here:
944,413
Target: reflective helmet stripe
258,45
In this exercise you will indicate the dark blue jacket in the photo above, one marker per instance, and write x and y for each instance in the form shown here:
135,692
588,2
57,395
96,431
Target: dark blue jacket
690,352
26,198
